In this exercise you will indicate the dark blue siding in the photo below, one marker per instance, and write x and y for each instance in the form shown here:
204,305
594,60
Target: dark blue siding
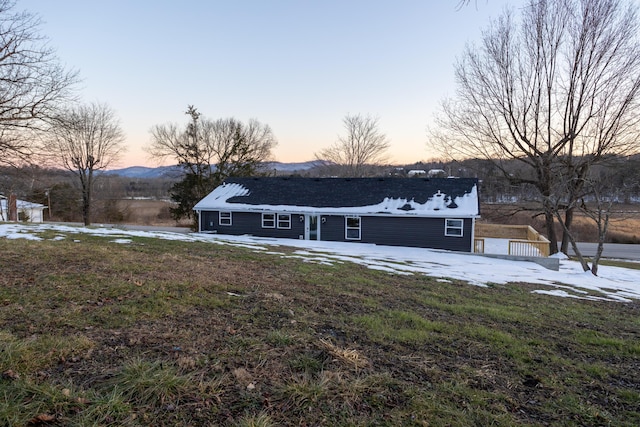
208,220
251,223
415,232
395,231
332,229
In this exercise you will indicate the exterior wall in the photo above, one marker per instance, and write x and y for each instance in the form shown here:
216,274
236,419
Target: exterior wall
33,215
382,230
250,223
332,228
401,231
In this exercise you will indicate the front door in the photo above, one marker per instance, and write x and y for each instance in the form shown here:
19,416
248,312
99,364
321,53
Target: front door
312,227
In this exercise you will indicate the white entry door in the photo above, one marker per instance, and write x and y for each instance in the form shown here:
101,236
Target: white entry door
312,227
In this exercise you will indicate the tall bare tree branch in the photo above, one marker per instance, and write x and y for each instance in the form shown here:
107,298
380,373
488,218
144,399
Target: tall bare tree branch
33,84
557,90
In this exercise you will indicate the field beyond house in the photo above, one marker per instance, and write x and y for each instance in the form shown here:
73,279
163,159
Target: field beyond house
167,333
148,212
624,225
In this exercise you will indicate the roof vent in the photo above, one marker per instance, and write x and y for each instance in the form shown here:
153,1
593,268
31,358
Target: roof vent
406,207
452,205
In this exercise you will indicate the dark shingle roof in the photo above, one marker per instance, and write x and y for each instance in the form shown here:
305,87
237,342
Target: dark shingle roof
345,192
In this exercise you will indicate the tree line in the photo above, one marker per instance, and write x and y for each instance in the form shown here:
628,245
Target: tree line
55,187
58,189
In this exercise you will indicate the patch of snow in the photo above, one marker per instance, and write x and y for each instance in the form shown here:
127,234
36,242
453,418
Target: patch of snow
557,293
233,294
22,236
496,246
16,230
122,241
613,284
565,294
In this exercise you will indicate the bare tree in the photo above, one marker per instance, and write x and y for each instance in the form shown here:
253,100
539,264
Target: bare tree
360,150
209,151
598,192
32,82
557,91
462,3
85,139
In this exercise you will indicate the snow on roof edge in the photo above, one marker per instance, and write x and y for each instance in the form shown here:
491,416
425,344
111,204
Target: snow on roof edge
436,206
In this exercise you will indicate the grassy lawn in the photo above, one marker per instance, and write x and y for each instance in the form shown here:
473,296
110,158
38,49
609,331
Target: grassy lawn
165,333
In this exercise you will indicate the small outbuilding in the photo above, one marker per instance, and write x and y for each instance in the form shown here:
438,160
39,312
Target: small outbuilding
12,209
435,213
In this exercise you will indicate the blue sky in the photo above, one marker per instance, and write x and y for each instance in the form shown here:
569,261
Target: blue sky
298,66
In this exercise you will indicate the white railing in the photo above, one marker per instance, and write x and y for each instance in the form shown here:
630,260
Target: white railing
536,248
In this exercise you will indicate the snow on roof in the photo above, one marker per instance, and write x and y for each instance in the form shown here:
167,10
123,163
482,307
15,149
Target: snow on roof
21,204
229,196
416,172
221,194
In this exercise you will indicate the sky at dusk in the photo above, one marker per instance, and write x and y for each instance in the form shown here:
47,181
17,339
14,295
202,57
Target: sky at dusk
298,66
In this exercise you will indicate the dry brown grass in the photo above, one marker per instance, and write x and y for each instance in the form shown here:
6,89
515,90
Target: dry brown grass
148,212
624,226
350,357
169,333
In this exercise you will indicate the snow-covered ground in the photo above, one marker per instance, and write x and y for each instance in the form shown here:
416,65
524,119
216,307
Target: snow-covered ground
613,284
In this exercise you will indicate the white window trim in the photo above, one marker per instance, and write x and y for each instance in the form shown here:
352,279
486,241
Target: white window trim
286,220
448,227
272,220
347,228
220,219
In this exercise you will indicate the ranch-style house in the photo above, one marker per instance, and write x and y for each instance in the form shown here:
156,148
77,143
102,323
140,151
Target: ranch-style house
437,213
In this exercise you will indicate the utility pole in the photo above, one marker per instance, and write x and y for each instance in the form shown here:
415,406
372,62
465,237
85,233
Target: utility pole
48,194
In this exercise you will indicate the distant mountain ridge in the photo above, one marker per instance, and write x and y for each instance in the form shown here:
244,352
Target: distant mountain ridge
293,167
175,170
147,172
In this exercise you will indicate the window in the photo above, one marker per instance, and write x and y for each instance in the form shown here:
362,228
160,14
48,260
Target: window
453,227
268,220
284,220
352,228
224,218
